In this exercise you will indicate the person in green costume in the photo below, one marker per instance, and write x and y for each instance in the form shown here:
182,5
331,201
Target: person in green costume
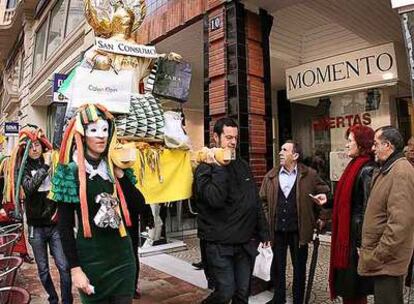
101,256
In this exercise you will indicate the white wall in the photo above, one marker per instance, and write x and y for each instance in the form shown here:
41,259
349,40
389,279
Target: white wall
194,120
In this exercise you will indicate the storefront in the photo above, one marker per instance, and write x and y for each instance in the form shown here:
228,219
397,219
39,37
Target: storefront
328,96
307,75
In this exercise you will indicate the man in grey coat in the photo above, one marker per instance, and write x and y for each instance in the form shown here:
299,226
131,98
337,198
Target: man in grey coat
388,229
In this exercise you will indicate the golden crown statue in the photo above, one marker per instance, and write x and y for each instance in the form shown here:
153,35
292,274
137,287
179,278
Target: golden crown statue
114,22
126,18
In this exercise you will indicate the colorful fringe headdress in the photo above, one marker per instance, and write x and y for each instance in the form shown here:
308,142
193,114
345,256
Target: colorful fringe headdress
64,186
17,163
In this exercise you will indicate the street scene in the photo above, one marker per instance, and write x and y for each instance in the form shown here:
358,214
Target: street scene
206,151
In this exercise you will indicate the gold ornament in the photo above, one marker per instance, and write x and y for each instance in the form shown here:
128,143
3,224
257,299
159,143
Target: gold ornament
127,17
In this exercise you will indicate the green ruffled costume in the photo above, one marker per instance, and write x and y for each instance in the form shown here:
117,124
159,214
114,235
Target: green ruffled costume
107,258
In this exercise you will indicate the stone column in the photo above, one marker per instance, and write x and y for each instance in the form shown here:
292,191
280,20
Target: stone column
237,78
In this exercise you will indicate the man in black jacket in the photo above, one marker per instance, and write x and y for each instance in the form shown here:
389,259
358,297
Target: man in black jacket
41,219
230,219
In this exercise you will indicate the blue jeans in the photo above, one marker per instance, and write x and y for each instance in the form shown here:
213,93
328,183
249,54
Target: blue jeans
39,239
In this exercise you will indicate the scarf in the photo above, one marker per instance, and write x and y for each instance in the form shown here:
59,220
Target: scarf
101,169
341,218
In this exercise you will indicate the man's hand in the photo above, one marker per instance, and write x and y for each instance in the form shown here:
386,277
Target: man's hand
174,56
265,244
210,157
48,158
319,199
80,280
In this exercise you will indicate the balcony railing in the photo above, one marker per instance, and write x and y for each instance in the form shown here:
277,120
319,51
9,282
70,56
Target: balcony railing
8,100
8,16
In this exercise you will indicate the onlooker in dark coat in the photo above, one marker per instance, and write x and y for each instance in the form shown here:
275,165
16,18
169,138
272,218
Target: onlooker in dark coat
230,216
388,229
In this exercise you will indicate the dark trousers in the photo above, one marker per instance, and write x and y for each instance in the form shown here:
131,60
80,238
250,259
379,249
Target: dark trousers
231,266
40,238
388,289
299,255
134,233
207,271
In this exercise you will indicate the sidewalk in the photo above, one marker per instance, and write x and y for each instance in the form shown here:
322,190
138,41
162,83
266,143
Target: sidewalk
170,278
157,287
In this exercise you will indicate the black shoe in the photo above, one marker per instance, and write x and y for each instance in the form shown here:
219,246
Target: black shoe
198,265
27,258
159,242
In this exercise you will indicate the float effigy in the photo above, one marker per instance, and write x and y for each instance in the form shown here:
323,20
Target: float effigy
132,81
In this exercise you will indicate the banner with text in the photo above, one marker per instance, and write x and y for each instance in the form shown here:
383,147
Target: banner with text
125,48
367,68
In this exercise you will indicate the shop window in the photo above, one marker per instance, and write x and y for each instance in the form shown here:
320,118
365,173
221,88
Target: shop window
11,4
56,32
39,47
65,14
320,125
55,120
75,15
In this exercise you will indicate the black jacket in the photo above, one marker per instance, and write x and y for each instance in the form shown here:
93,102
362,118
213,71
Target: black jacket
360,194
39,209
230,210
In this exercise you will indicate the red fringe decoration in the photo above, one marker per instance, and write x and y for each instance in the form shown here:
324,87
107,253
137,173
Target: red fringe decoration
124,206
65,141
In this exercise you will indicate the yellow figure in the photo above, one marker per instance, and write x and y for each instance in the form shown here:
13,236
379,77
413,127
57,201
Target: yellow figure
126,19
118,27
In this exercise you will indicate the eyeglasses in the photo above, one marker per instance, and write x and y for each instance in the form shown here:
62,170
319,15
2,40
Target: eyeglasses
377,144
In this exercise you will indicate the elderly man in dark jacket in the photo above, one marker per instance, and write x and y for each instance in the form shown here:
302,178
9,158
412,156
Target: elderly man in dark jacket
291,194
230,217
388,228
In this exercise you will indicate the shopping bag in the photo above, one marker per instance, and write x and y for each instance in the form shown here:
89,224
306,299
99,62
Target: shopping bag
174,135
112,90
263,263
172,79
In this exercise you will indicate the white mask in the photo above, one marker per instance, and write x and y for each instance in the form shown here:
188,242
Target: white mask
99,129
